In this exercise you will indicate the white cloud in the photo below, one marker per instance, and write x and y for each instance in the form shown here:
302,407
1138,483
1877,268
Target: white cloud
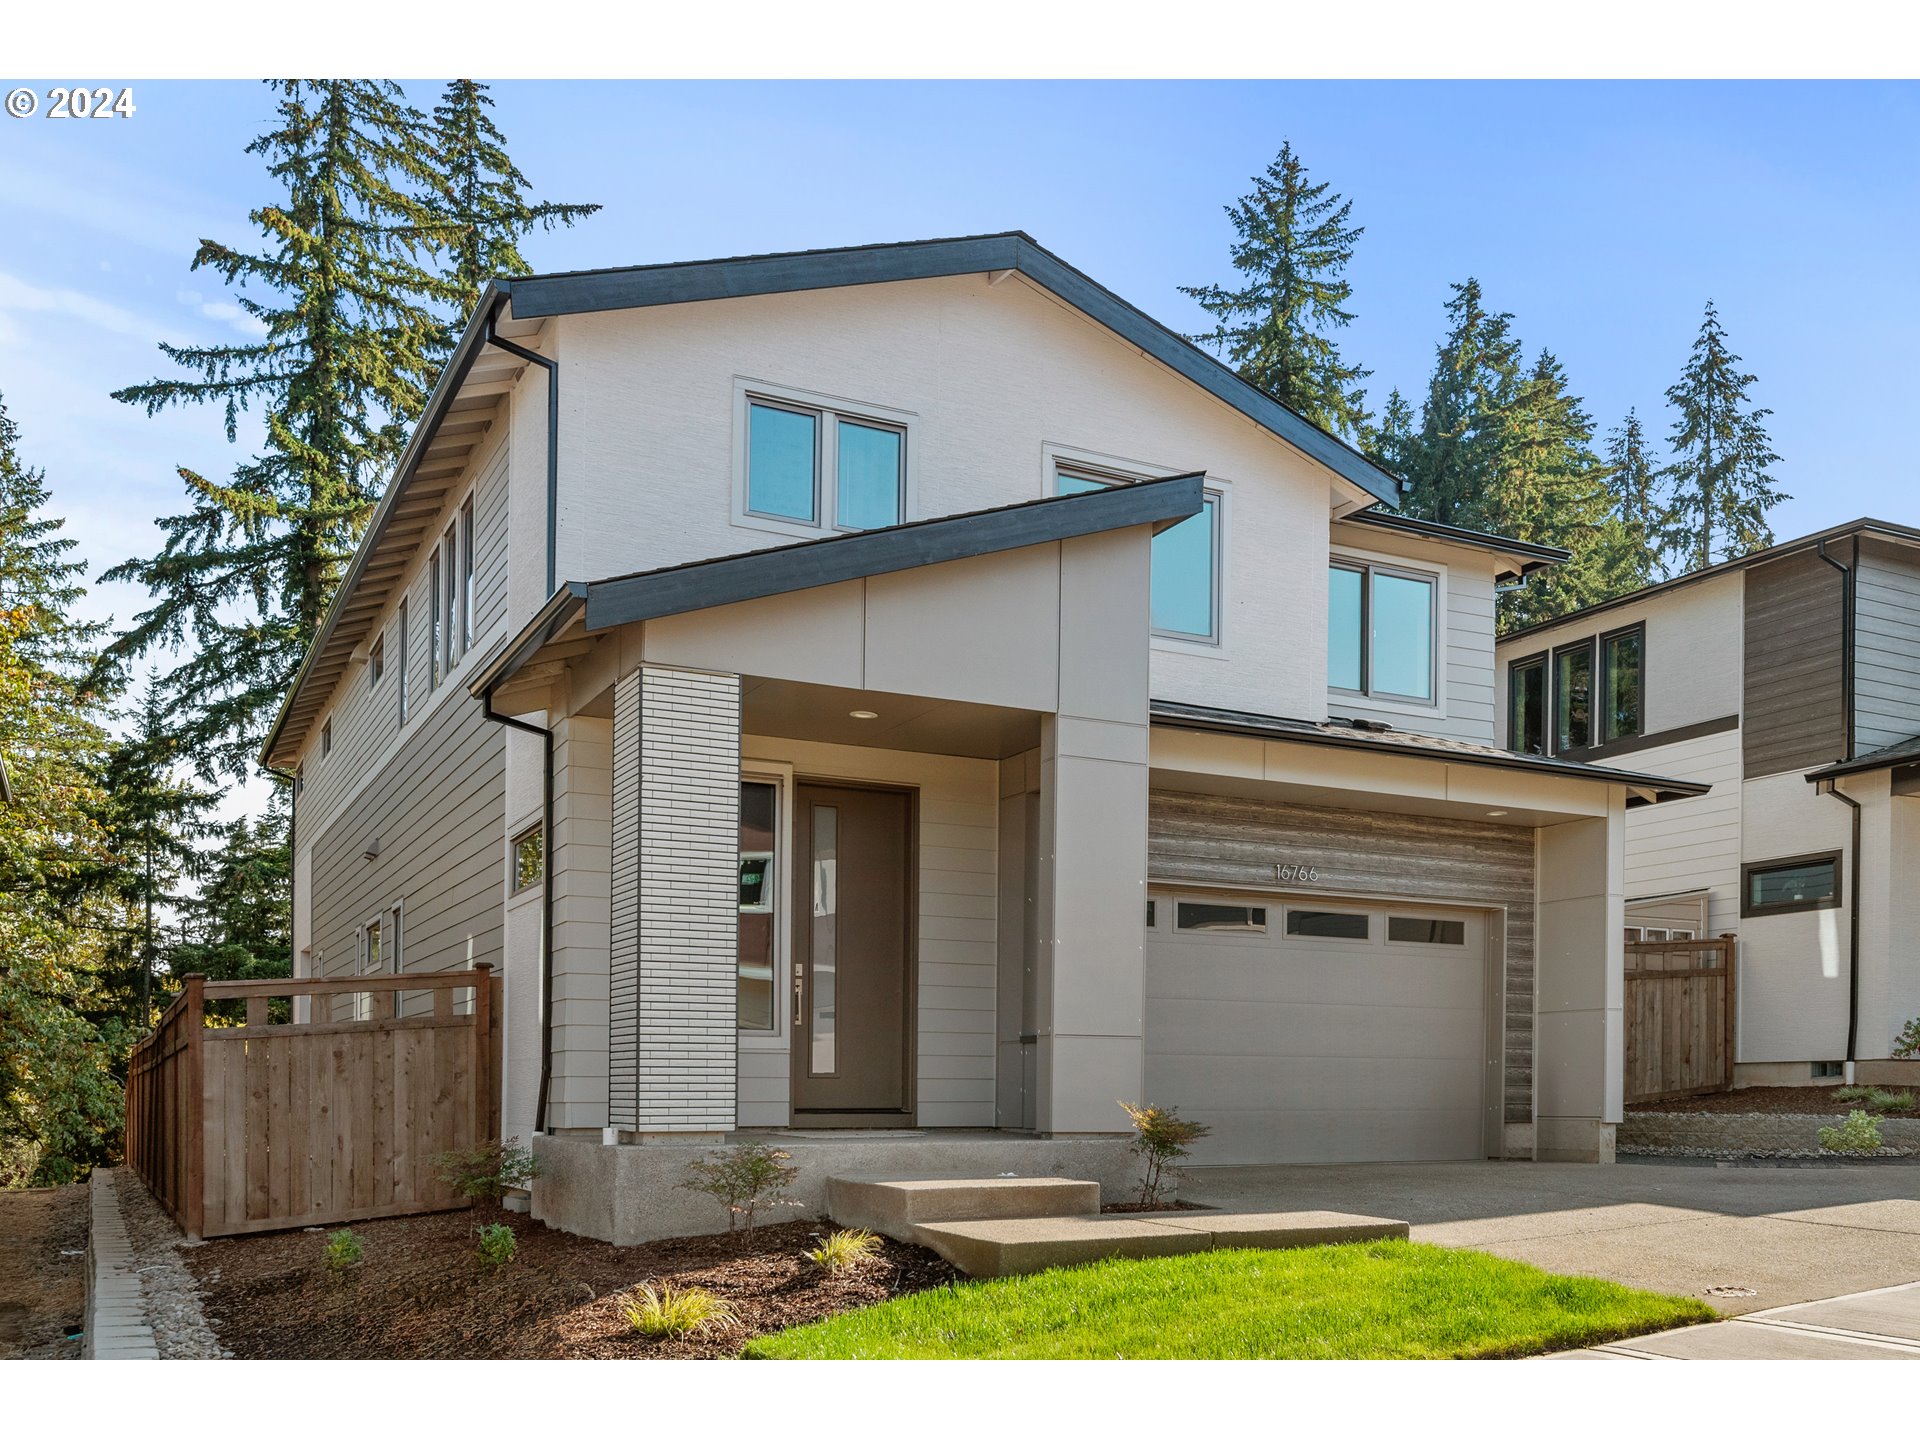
18,296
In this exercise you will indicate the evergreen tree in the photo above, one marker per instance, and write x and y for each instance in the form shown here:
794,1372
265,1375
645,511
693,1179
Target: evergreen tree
59,1037
1476,374
1390,444
1293,245
1631,478
481,199
240,925
351,340
1718,486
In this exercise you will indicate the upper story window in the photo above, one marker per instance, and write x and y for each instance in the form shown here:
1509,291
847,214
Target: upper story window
1579,697
817,465
400,641
1382,621
1186,562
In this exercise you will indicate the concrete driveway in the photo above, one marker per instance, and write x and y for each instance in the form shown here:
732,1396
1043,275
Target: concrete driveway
1787,1235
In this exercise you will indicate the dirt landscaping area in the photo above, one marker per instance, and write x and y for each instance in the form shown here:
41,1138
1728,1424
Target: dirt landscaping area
1768,1100
43,1272
421,1292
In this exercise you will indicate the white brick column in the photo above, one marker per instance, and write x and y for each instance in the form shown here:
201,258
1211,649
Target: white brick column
676,838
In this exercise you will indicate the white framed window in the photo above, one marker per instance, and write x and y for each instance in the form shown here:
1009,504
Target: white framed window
1188,558
326,736
433,621
371,961
450,598
376,661
1383,630
809,464
466,575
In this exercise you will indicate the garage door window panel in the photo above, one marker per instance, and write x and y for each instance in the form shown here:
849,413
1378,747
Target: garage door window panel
1420,930
1329,924
1205,917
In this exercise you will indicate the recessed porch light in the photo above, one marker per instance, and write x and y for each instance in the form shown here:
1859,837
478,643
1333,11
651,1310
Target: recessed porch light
864,714
1496,812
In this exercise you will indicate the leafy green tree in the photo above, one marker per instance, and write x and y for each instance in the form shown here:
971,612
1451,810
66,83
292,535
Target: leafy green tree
59,1031
351,333
1719,486
481,199
1632,479
1463,429
1292,247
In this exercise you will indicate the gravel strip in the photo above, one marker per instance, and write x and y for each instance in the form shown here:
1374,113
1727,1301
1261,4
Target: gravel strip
180,1330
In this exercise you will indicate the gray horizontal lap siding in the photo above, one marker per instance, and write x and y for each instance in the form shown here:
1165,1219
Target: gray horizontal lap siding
1227,840
1886,645
1793,709
438,811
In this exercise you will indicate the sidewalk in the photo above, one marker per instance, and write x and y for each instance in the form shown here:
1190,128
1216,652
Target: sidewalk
1872,1325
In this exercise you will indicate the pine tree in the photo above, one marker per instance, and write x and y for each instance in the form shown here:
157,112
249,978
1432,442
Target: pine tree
1549,487
1293,245
1390,444
59,1036
1476,374
481,199
1631,479
240,924
352,328
1719,489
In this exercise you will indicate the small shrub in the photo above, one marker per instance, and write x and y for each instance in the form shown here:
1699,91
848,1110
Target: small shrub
668,1311
1854,1094
1857,1134
1164,1139
497,1245
1890,1102
487,1171
344,1251
1906,1045
745,1179
844,1249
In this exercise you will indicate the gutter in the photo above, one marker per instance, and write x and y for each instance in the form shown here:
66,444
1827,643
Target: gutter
546,900
1829,787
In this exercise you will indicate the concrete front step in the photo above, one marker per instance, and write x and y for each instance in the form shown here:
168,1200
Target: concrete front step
896,1206
1022,1246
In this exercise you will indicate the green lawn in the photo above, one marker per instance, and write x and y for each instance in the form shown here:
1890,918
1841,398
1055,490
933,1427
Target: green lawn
1389,1300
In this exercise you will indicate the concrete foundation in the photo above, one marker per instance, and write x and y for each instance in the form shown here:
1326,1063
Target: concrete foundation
629,1194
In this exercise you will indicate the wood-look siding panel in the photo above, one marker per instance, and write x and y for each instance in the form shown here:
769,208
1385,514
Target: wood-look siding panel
1886,645
1793,711
1232,841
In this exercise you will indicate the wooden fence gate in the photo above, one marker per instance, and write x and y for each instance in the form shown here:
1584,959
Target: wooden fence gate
1679,1013
332,1116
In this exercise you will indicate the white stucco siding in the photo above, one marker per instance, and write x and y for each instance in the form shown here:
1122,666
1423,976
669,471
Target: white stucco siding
1794,968
991,381
1691,844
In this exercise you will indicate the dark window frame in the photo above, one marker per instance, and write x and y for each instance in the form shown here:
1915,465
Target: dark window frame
1603,673
1600,736
1751,911
1555,746
1543,660
1367,569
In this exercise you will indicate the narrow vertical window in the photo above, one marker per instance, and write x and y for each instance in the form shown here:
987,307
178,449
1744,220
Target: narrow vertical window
1346,628
450,600
824,952
400,680
466,575
1623,686
529,859
783,462
433,621
1527,706
326,737
759,886
1573,698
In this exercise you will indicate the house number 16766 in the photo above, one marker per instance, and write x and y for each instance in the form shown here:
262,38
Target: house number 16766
1296,874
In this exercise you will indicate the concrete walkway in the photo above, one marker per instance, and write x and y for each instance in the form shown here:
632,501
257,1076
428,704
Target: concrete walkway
1745,1239
1873,1325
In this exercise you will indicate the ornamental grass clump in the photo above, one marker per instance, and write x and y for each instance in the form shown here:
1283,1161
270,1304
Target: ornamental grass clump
844,1249
667,1311
1164,1140
1858,1134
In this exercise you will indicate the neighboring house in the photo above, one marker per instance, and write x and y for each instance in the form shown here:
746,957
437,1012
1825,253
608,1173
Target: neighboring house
931,694
1789,680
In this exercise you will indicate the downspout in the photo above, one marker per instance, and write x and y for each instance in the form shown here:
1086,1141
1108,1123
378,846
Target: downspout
546,902
1829,787
552,367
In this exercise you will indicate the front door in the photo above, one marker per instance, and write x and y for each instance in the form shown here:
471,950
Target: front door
852,941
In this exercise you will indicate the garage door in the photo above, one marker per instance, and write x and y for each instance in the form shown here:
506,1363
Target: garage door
1308,1030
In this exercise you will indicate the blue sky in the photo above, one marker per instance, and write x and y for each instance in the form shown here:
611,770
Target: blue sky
1601,215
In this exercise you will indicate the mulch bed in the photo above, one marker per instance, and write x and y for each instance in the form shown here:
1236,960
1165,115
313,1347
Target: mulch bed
43,1272
1134,1207
422,1294
1770,1100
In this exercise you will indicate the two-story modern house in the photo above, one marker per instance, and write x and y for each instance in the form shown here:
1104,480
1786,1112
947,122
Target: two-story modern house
906,690
1788,680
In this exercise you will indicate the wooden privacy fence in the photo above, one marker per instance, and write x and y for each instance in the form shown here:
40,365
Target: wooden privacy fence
1679,1008
332,1117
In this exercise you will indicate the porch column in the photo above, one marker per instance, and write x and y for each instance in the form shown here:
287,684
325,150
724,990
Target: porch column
577,871
676,840
1579,1036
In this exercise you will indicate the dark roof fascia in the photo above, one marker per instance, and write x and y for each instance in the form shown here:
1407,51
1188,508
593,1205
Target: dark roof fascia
1885,758
560,610
1905,534
639,286
1532,557
786,568
452,377
1268,727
